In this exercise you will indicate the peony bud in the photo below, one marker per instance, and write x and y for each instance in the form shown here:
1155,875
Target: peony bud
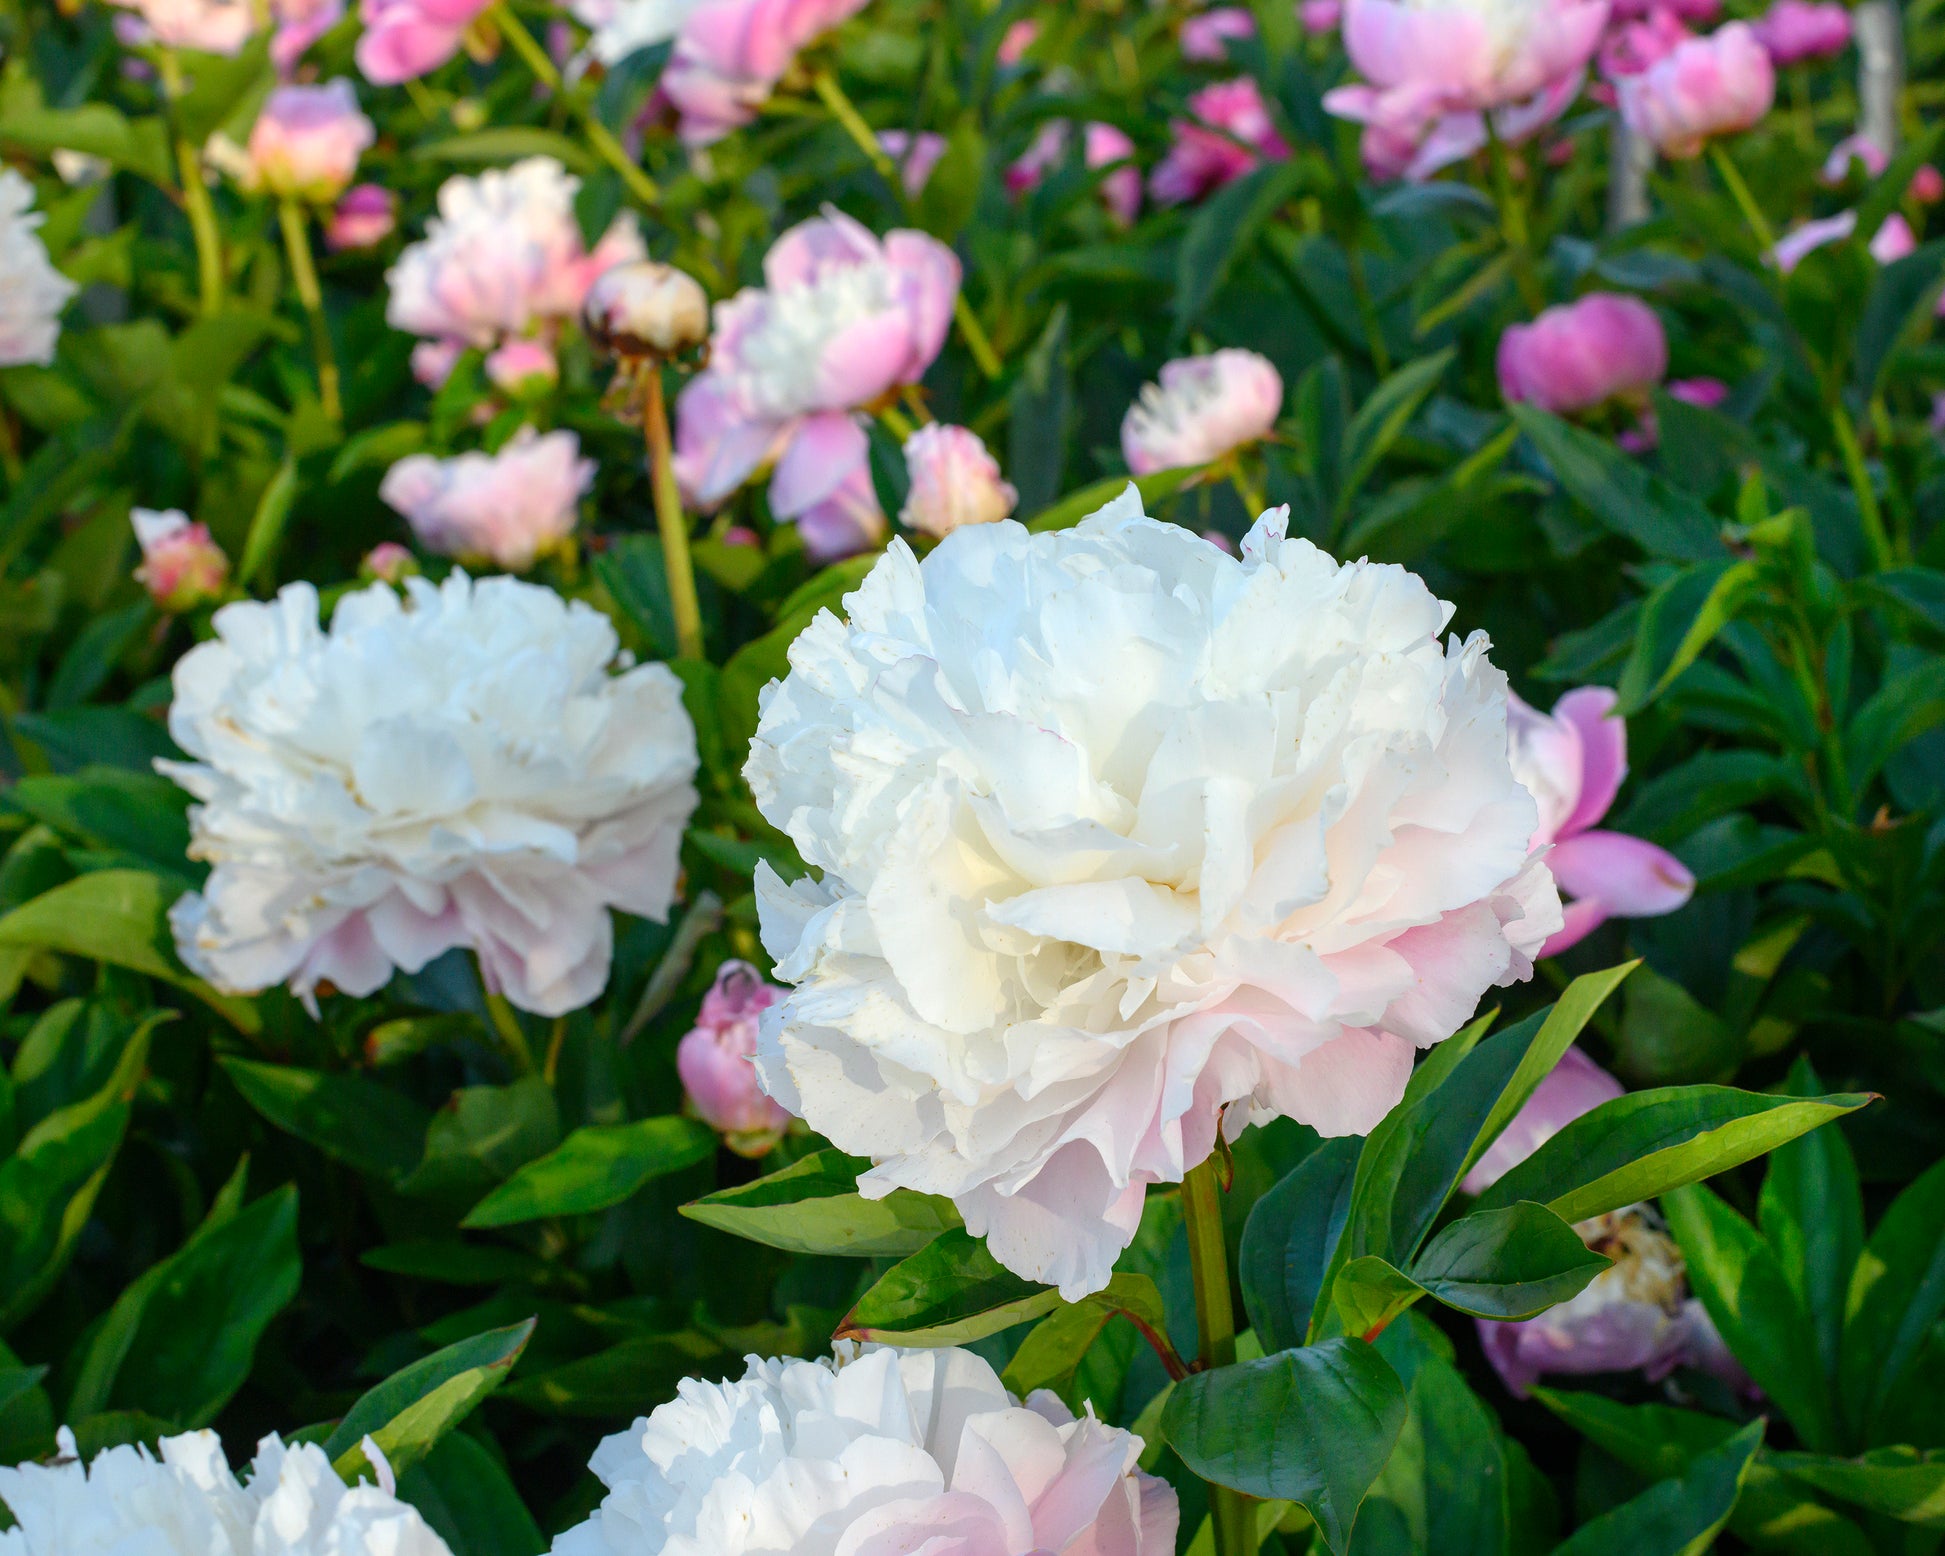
1796,30
522,368
642,309
307,141
389,562
1702,88
714,1061
1582,354
364,218
181,566
954,482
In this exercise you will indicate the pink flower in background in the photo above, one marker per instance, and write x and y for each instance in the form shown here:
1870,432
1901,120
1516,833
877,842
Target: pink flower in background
1200,409
210,26
1471,54
1320,16
1015,42
503,256
1572,761
1582,354
1892,241
843,318
300,23
1796,30
1408,135
403,39
364,217
1206,35
434,360
823,486
1695,13
1704,87
181,566
1574,1086
1705,392
503,508
954,481
523,367
1854,150
730,54
714,1057
307,141
1630,47
1102,145
916,156
1229,134
389,562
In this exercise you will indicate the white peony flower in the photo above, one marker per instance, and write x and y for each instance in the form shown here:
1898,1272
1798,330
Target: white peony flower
32,291
622,26
188,1503
1116,830
875,1453
456,770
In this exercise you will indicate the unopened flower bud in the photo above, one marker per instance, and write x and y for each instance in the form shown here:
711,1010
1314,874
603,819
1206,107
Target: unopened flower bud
389,562
181,566
713,1060
642,309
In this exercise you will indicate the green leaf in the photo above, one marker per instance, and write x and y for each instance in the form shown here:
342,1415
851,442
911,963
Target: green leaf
410,1411
1896,1297
1055,1347
1812,1215
267,526
509,143
1408,521
484,1134
1680,619
1074,507
1649,1142
1368,1293
1917,592
632,570
595,1167
1312,1426
1678,1517
813,1206
1223,228
1288,1239
951,1292
1902,709
1508,1264
463,1489
140,146
1628,498
1040,405
1382,417
107,807
1900,301
614,1382
1901,1482
373,1128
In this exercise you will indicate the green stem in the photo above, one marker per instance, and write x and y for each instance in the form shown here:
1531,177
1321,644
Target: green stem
506,1026
610,150
1512,221
195,197
1752,213
896,422
303,269
1875,536
1215,1321
669,518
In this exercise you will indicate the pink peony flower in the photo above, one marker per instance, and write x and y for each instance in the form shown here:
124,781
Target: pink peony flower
730,54
916,156
1705,392
1630,47
209,26
434,360
307,141
843,318
1708,86
1471,54
1573,760
523,367
1582,354
1320,16
1693,13
1206,35
714,1061
824,487
181,566
389,562
503,256
503,508
300,23
403,39
1892,241
1796,30
1016,40
954,480
1229,135
1408,135
1200,409
1102,146
364,218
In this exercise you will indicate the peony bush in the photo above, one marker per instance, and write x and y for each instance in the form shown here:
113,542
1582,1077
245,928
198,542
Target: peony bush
956,777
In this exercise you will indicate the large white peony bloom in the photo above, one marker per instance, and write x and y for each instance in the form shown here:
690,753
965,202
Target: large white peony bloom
188,1503
877,1453
1117,830
459,769
32,291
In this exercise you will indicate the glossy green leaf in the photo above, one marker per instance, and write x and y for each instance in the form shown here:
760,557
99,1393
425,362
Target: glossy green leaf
948,1293
813,1206
1055,1347
1382,417
1223,228
1510,1263
410,1411
1629,499
1900,1483
482,1135
1896,1297
1288,1240
596,1166
463,1489
1680,619
374,1128
1679,1517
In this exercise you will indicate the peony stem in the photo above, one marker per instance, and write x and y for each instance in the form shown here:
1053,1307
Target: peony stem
303,269
506,1026
195,197
1752,213
1512,221
1875,536
599,137
669,518
1215,1321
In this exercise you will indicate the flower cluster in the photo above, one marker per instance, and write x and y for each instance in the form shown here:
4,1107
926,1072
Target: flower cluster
32,291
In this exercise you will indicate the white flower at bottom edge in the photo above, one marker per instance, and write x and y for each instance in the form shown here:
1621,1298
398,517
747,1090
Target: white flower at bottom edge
1115,831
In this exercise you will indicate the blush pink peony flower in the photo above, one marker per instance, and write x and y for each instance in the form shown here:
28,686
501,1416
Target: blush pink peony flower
730,54
1229,134
1200,409
1892,241
1719,84
363,218
823,485
1796,30
1407,134
403,39
1573,761
1102,146
715,1057
1630,47
523,367
915,155
1471,54
505,508
1583,354
843,318
1016,40
503,256
1206,35
434,360
300,23
208,26
1120,841
954,480
1320,16
181,566
874,1452
307,141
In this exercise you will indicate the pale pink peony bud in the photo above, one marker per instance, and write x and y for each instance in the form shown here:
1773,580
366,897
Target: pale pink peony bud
181,566
644,309
522,368
714,1061
1582,354
307,141
954,480
1200,409
389,562
363,218
1704,87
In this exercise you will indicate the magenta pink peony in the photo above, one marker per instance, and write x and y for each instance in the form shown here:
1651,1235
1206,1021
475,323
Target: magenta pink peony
1206,34
306,142
954,481
1583,354
1796,30
1200,409
1102,146
715,1058
1230,132
403,39
1471,54
842,319
182,567
1573,761
363,218
1719,84
505,508
1892,241
1409,134
1320,16
730,54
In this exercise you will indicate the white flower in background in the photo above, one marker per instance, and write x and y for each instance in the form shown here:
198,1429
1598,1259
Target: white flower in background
189,1503
1116,830
457,769
622,26
32,291
1201,409
870,1454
